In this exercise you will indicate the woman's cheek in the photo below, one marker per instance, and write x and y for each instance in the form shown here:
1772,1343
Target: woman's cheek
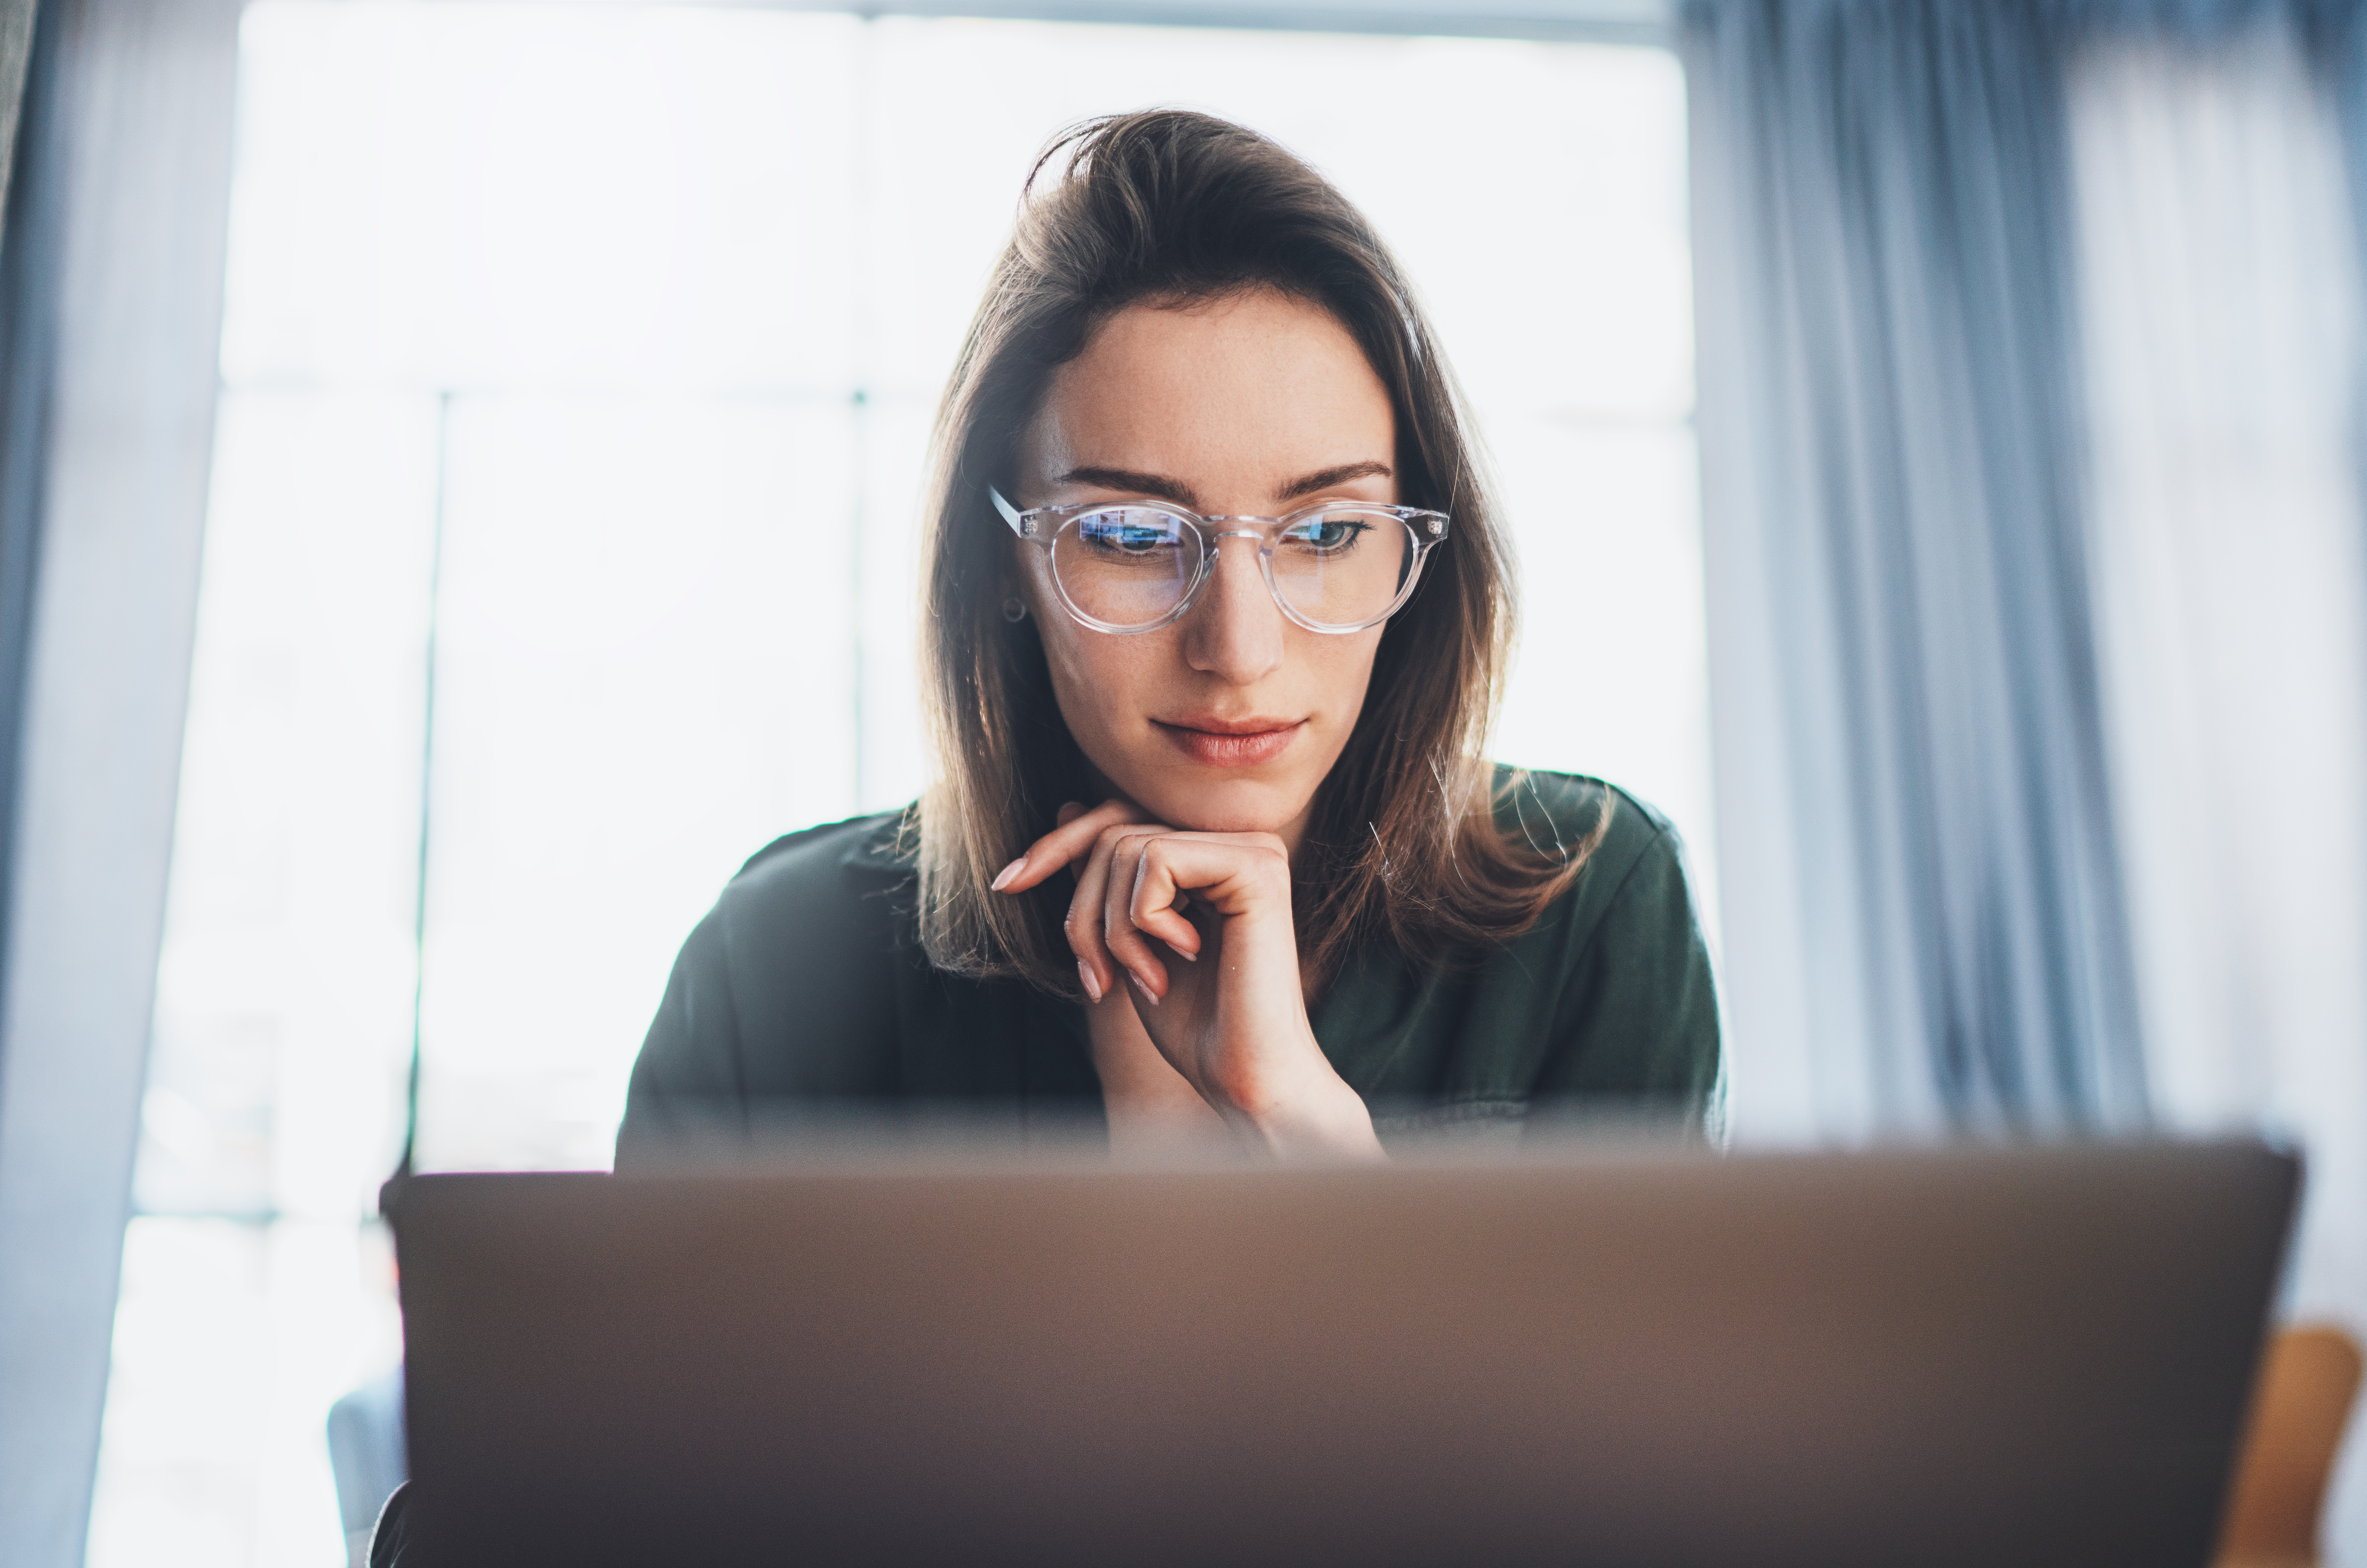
1101,707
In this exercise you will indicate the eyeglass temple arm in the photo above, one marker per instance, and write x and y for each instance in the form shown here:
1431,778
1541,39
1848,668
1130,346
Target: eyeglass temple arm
1011,514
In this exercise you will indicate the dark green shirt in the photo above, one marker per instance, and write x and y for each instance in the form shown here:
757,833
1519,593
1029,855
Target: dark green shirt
805,988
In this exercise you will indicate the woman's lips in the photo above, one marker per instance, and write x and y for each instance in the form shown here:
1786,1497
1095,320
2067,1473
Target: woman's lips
1227,744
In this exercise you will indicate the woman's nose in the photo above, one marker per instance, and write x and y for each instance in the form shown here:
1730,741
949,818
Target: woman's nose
1235,632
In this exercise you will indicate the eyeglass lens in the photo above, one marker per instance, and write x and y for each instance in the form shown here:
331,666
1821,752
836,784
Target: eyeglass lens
1131,566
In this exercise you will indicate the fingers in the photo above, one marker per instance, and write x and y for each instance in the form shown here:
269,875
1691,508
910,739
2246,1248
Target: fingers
1125,848
1133,879
1153,872
1082,924
1071,839
1233,873
1107,942
1144,896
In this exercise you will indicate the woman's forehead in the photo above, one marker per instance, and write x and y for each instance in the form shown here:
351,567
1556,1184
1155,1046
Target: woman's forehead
1254,389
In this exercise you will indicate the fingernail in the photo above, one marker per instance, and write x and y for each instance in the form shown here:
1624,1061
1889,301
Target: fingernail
1093,986
1189,956
1006,874
1140,985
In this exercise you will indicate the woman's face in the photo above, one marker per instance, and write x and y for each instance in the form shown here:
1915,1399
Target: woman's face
1226,720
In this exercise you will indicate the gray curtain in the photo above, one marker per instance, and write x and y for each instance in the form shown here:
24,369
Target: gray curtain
1922,907
110,325
27,233
16,50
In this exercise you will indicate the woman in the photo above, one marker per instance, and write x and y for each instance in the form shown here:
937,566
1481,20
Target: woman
1216,614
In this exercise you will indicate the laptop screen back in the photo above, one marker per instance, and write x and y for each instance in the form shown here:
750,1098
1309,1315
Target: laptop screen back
2036,1356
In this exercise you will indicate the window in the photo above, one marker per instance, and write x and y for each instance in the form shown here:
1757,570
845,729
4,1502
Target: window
591,350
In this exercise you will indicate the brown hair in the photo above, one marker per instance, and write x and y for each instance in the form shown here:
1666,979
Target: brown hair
1402,846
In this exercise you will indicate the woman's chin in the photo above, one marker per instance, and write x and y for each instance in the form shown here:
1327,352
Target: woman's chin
1233,806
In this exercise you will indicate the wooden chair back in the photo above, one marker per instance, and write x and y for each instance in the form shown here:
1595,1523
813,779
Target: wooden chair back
2308,1379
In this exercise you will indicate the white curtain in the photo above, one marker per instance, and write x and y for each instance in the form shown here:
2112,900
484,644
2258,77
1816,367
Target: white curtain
1922,913
2220,292
127,138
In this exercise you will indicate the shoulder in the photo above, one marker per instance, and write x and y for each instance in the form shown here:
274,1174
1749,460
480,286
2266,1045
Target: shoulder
788,985
1563,815
1619,959
876,845
825,913
844,871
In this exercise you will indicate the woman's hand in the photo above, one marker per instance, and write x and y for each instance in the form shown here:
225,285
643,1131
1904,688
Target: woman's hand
1188,938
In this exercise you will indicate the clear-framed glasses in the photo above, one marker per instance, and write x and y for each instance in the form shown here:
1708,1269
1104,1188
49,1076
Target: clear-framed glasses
1135,566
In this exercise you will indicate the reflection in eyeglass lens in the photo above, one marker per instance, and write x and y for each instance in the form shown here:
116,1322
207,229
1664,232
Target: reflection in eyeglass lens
1126,566
1131,566
1342,568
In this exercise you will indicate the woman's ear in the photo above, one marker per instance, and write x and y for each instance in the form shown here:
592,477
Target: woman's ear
1015,600
1016,589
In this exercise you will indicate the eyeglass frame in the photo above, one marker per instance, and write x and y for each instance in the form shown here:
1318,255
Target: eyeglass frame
1428,528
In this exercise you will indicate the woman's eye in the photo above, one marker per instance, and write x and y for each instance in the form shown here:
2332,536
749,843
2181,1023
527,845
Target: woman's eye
1328,535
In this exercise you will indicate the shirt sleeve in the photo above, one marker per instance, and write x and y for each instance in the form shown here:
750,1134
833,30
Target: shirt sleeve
1638,1019
689,1080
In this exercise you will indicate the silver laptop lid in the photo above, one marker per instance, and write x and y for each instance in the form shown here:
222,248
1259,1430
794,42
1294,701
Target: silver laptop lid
2034,1356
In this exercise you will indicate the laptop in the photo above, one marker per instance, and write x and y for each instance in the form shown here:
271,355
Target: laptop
2031,1355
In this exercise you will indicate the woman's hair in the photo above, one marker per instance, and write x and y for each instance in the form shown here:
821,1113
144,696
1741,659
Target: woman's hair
1167,209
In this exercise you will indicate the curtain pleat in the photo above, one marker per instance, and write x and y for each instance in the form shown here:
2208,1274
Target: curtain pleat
27,264
111,302
1891,433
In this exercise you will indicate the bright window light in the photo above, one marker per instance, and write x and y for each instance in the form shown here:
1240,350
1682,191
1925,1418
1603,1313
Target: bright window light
601,341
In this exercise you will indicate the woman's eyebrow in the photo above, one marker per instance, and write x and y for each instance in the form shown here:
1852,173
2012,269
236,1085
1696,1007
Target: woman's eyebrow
1127,479
1325,478
1183,494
